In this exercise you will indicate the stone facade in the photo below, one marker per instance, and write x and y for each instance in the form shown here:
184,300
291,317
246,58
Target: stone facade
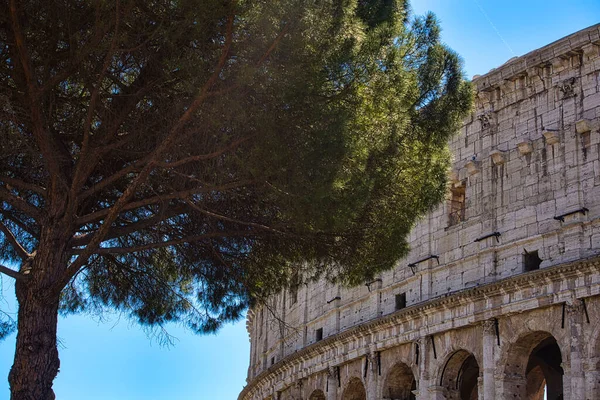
499,297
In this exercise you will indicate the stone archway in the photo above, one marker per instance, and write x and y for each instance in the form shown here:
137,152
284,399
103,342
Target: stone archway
355,390
460,376
533,368
592,364
317,395
399,383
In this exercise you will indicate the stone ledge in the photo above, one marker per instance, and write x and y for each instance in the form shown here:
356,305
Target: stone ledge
519,65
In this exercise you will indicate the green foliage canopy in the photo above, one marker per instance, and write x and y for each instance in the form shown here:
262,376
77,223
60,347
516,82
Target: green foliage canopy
178,160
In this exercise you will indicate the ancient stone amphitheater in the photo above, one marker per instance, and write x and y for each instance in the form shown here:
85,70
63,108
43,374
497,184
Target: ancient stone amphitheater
500,295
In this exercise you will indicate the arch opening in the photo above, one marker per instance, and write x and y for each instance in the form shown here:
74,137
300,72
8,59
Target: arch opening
399,383
355,390
544,372
460,376
533,368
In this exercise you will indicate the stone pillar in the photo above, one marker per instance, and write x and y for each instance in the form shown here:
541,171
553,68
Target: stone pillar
490,342
298,389
592,359
332,383
371,380
426,366
577,381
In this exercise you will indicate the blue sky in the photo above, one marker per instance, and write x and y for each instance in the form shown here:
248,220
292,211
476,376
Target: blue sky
487,33
115,360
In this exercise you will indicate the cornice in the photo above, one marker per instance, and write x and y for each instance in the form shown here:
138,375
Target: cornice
519,66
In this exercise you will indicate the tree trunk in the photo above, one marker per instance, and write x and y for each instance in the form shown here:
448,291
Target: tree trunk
36,358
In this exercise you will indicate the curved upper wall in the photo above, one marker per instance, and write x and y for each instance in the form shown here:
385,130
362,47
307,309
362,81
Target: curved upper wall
525,194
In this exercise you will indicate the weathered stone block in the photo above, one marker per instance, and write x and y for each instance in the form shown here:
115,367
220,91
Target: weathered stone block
525,147
551,137
583,126
498,157
473,167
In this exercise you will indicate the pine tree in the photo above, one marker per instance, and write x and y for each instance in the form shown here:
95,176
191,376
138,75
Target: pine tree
178,160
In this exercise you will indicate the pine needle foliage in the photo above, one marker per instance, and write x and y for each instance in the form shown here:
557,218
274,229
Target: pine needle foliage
178,160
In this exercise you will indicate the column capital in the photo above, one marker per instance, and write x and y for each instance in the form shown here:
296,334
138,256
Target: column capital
331,372
489,326
576,306
372,357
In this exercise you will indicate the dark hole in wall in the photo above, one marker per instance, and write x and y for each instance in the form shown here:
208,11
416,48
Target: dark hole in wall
400,301
319,334
585,143
457,205
531,261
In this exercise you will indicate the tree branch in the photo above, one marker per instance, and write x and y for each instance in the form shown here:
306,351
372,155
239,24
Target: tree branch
21,252
126,100
98,215
43,139
78,179
151,246
171,139
143,162
236,221
205,93
20,204
23,185
73,62
113,178
19,223
271,48
12,273
86,162
207,156
117,232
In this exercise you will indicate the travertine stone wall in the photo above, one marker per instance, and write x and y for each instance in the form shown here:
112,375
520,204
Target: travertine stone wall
528,154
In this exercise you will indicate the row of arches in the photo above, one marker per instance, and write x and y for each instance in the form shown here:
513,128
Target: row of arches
534,365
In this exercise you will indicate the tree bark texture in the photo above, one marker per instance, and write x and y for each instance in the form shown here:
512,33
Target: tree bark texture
36,360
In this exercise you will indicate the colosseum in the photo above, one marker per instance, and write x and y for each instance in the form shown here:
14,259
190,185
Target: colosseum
499,297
